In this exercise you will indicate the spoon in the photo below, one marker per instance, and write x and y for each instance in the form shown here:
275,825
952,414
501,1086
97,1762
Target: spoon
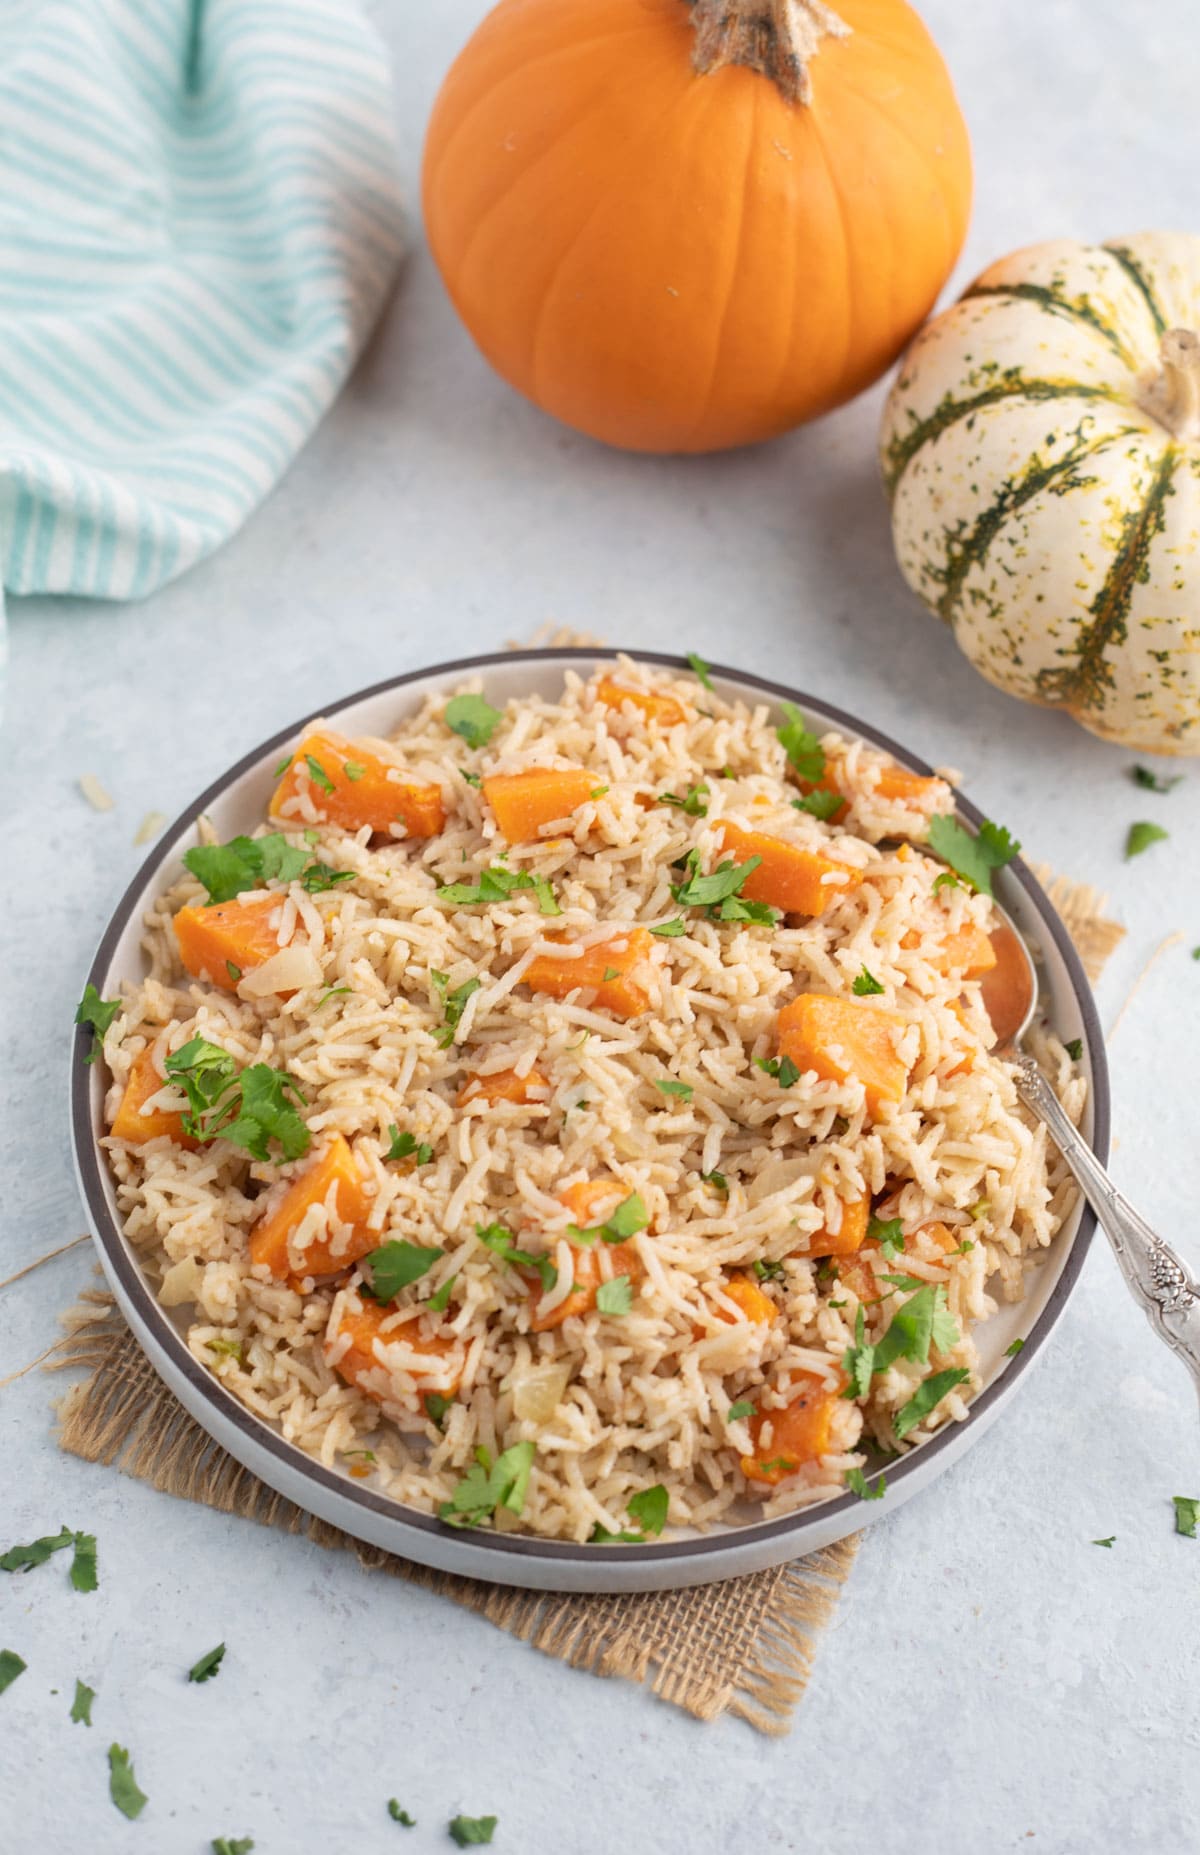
1156,1276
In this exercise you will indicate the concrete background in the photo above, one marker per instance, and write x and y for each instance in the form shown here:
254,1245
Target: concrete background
993,1679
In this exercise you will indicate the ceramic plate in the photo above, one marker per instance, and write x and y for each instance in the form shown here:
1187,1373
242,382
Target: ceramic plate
237,802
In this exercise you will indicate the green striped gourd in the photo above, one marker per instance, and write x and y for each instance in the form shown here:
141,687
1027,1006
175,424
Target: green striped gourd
1041,448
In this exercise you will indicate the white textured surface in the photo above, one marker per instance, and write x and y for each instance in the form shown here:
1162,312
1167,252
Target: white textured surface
993,1681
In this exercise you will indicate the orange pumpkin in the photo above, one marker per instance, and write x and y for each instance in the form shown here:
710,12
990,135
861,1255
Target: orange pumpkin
681,225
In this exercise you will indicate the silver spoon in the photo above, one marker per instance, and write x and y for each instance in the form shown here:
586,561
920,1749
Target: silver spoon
1156,1276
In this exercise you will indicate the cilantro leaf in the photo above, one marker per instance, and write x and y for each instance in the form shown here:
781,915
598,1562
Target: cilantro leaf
400,1816
487,1486
856,1481
1187,1513
1141,836
745,1407
888,1233
858,1361
406,1146
321,876
437,1304
768,1271
83,1562
436,1405
649,1509
947,880
702,670
629,1217
24,1558
453,1006
471,1831
317,773
615,1297
820,803
927,1397
122,1786
1142,776
1018,1346
472,718
733,908
500,1239
803,749
232,1845
692,803
782,1068
972,858
703,891
668,930
1110,1541
866,985
718,1179
395,1266
208,1665
262,1112
283,766
496,884
244,863
1074,1048
81,1706
99,1013
668,1086
12,1665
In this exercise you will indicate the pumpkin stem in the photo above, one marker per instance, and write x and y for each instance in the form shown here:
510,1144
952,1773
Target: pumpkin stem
1172,395
780,38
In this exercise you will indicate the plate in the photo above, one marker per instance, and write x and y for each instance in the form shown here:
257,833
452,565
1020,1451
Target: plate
237,801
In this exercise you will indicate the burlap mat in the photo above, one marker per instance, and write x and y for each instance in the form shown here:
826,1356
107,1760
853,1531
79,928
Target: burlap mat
745,1647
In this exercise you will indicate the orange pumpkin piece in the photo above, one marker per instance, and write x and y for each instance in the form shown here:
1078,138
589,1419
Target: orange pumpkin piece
848,1240
238,934
895,783
131,1124
788,877
966,950
359,1359
856,1273
624,1260
655,705
844,1040
524,803
333,1170
801,1432
502,1085
364,789
587,1197
749,1297
604,968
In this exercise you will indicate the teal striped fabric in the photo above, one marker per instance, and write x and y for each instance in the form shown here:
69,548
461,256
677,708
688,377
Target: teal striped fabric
199,222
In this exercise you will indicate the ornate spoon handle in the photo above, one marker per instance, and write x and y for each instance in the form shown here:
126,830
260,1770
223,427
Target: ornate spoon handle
1157,1277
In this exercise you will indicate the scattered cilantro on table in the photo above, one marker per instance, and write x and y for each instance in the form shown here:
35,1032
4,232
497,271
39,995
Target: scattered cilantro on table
1141,836
208,1665
81,1706
12,1666
471,1831
122,1785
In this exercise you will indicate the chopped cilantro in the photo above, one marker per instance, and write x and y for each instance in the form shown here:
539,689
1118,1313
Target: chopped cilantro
927,1397
472,779
718,1179
1187,1513
487,1486
83,1562
918,1323
733,908
1105,1542
1074,1048
629,1217
702,671
615,1297
122,1786
354,771
400,1816
472,718
81,1706
99,1013
947,880
964,1248
395,1266
692,803
436,1406
972,858
235,973
909,1283
768,1271
610,972
11,1666
669,1086
820,803
803,749
705,891
649,1509
406,1146
249,863
24,1558
856,1481
866,985
782,1068
1141,836
283,766
208,1665
979,1209
232,1845
318,774
496,885
1018,1346
668,930
225,1349
471,1831
745,1407
858,1361
453,1005
321,876
500,1240
249,1110
1142,776
360,1455
888,1233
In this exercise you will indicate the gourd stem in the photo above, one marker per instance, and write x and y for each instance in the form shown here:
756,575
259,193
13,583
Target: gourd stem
1172,395
779,38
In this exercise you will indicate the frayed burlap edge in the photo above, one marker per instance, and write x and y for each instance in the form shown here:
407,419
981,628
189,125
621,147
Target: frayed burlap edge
745,1647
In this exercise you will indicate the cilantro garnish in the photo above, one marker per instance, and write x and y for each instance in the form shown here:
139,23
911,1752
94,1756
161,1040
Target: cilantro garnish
318,774
453,1004
668,1086
1074,1048
472,779
400,1816
500,1240
1141,836
353,771
436,1406
1142,776
321,876
768,1271
283,766
649,1508
718,889
83,1558
251,862
122,1785
208,1665
615,1297
235,973
947,880
972,858
81,1706
83,1562
610,972
917,1324
472,718
232,1845
249,1110
629,1217
396,1265
888,1233
866,985
692,803
1110,1541
856,1481
99,1013
224,1349
406,1146
803,749
496,885
702,670
668,930
745,1407
1018,1346
820,803
782,1068
11,1665
438,1303
1187,1513
471,1831
927,1397
487,1486
718,1179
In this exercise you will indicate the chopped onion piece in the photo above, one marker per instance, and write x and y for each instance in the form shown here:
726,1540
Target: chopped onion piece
538,1391
181,1283
286,971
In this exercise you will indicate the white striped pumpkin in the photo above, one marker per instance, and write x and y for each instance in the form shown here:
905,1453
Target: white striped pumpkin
1041,448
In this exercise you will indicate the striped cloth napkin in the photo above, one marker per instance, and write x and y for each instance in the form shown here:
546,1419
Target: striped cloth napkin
199,222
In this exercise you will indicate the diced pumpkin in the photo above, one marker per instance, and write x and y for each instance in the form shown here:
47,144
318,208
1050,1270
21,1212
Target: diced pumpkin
856,1274
788,877
502,1085
587,1198
849,1238
655,705
237,934
604,968
131,1124
749,1297
524,803
270,1238
359,1359
896,784
377,795
844,1040
800,1433
966,950
624,1260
